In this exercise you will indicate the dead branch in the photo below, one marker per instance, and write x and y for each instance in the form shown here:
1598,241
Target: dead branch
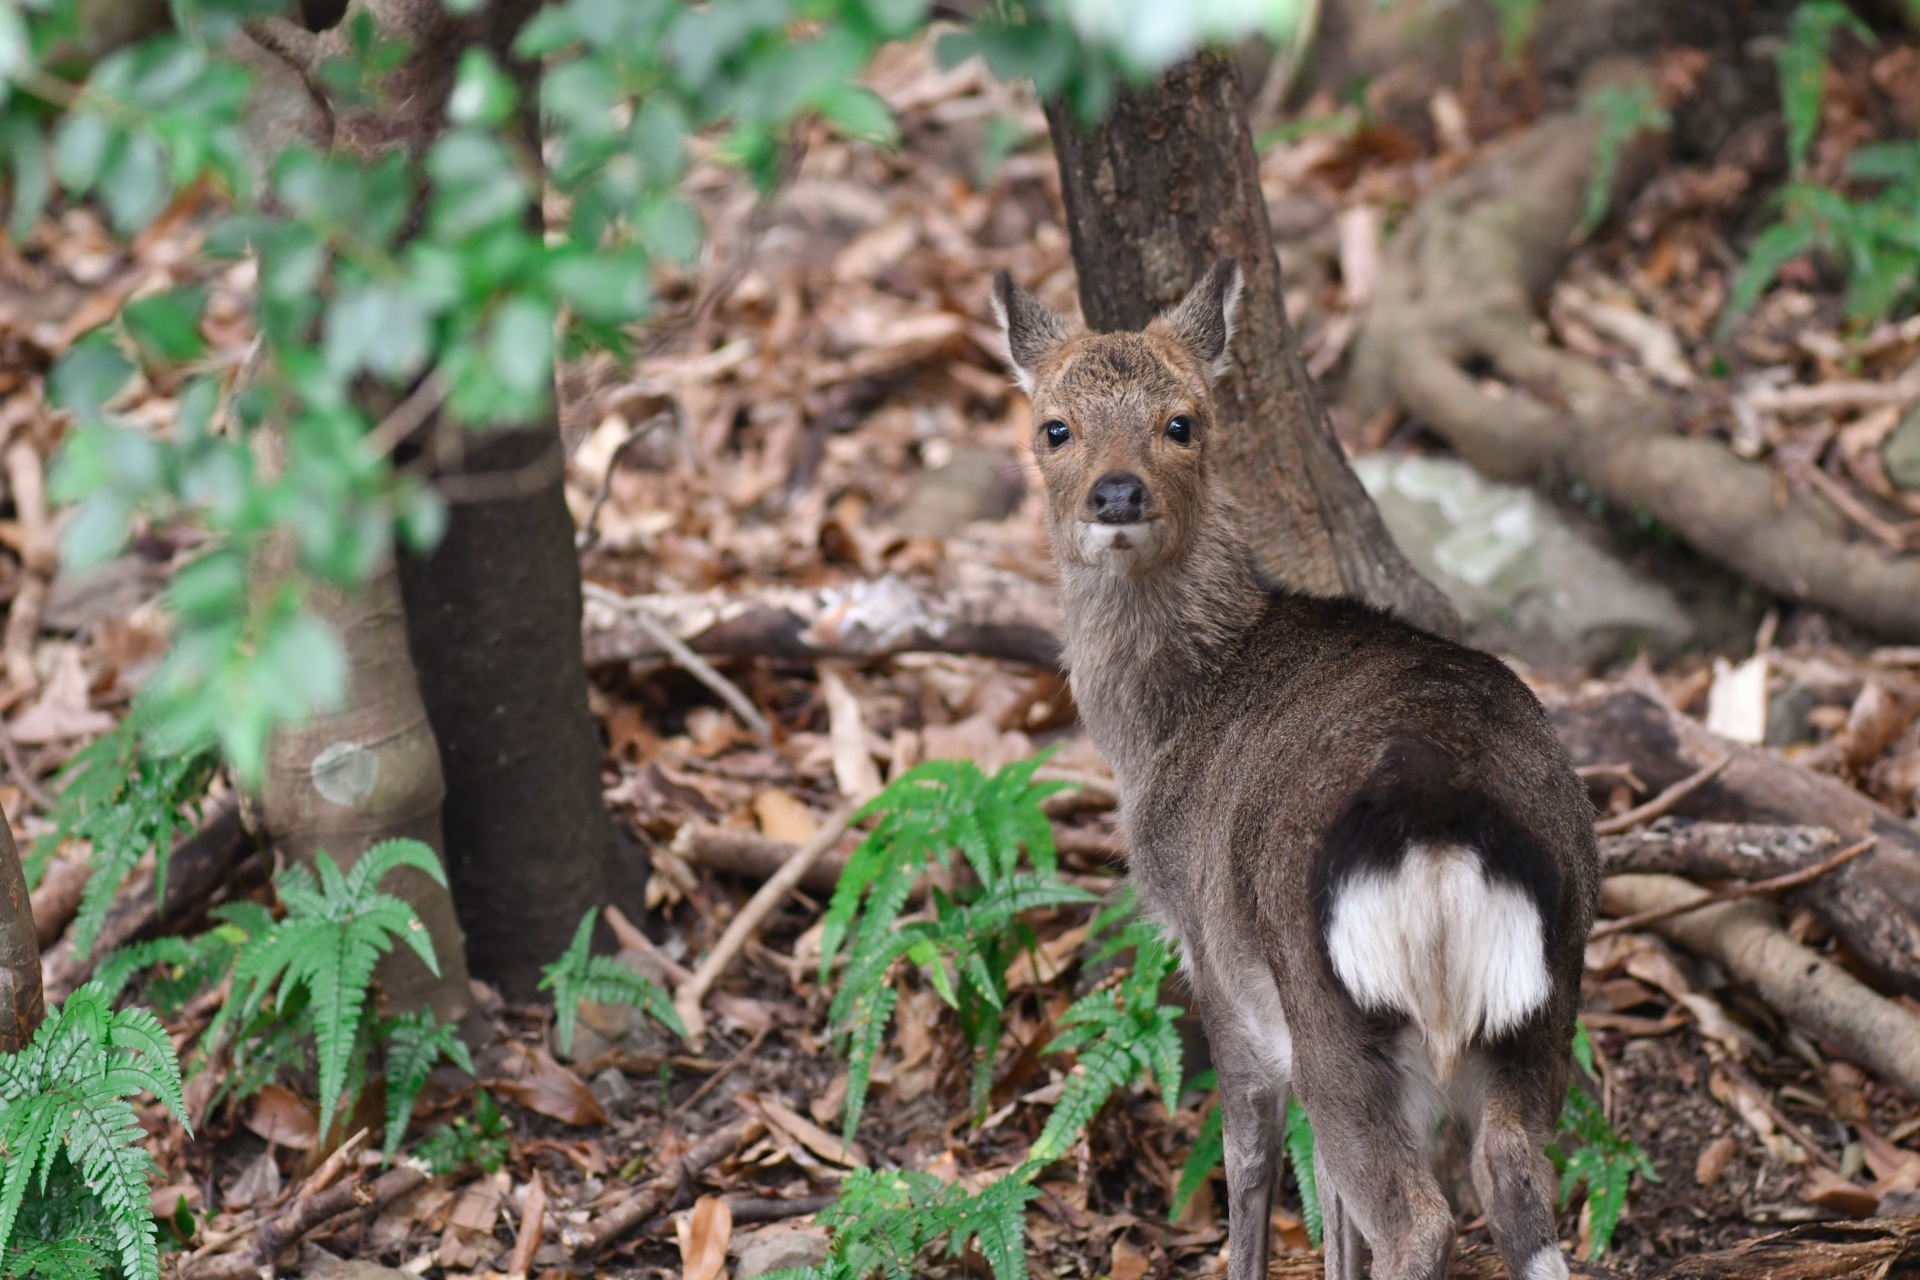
201,864
1458,287
1715,850
1804,986
694,990
1760,889
1829,1250
655,1195
752,856
991,613
1662,804
302,1216
1873,903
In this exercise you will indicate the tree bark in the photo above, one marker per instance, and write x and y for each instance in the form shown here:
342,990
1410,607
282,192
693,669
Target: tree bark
21,1003
1154,195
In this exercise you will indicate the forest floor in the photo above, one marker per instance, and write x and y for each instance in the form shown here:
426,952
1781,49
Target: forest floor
823,405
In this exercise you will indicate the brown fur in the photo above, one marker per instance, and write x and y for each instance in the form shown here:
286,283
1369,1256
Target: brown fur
1268,744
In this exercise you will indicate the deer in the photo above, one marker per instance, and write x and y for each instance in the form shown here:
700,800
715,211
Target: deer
1367,843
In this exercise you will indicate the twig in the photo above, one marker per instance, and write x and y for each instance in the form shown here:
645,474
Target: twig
589,535
726,1068
647,1201
407,416
270,1237
1737,1072
689,661
21,774
1777,884
1659,805
631,939
686,1001
1624,772
1894,539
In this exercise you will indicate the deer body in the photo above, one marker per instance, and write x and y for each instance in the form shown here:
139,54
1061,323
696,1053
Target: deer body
1376,858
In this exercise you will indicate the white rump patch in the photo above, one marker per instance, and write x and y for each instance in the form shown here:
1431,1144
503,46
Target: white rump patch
1547,1264
1435,939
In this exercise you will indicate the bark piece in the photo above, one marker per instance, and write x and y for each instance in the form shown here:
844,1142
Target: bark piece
1888,1247
300,1217
1163,187
1458,287
1805,987
1873,903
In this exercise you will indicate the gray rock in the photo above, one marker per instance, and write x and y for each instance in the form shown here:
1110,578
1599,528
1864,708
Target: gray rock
975,484
1522,576
1787,715
1901,451
611,1089
779,1250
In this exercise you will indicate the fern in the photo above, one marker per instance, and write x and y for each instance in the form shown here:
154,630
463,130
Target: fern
64,1106
483,1144
976,932
125,801
1802,61
578,976
1300,1151
335,931
1623,111
1209,1150
885,1218
415,1044
1517,21
1602,1159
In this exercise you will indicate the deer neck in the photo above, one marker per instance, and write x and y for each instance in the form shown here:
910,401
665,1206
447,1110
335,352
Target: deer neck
1142,648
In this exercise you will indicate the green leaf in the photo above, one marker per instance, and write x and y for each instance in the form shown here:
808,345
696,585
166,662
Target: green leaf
578,975
858,113
521,345
88,376
135,184
1300,1150
482,93
1209,1152
80,149
23,141
166,326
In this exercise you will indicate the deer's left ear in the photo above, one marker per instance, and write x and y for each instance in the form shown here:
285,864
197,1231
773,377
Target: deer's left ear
1203,320
1031,328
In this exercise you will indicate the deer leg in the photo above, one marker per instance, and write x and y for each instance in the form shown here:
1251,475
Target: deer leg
1339,1237
1369,1152
1512,1176
1253,1111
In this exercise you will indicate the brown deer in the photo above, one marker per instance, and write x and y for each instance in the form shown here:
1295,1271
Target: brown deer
1372,851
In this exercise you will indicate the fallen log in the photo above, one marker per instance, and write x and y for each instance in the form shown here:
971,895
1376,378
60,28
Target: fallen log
1805,987
200,865
1882,1249
648,1200
1873,903
988,612
752,856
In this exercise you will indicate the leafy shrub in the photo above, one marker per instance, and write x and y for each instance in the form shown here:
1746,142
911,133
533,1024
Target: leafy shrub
484,1144
578,976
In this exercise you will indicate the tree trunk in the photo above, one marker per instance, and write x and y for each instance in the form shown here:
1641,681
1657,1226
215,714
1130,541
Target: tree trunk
493,617
21,1004
1166,185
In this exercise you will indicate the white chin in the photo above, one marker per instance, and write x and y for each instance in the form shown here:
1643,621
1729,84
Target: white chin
1116,544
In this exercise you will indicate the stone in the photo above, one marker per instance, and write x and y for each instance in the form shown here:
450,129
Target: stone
1900,452
317,1264
1523,577
779,1249
611,1089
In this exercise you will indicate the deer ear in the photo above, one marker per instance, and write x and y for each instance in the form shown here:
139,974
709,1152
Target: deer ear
1031,328
1203,320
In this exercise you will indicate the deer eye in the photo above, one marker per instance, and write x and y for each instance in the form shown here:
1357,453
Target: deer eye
1180,430
1058,433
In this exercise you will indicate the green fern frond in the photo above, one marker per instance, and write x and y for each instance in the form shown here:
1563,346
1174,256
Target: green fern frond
337,927
1299,1142
1209,1152
1602,1159
483,1143
884,1220
125,801
415,1043
578,975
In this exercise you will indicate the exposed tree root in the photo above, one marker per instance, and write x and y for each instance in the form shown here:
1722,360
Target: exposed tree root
1457,288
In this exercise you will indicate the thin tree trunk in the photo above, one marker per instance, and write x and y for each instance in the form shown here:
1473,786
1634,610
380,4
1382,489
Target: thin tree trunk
1168,183
21,1004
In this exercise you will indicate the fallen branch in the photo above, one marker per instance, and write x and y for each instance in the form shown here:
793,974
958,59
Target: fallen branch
1763,888
1873,903
752,856
585,1242
1661,805
200,865
1715,850
990,613
302,1216
1802,985
684,658
1829,1250
687,1000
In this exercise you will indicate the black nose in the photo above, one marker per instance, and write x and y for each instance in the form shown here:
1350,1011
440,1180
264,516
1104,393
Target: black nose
1118,497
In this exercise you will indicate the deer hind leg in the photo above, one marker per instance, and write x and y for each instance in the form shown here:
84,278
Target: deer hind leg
1370,1155
1515,1183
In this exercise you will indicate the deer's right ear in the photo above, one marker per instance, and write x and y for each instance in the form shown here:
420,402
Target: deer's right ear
1031,328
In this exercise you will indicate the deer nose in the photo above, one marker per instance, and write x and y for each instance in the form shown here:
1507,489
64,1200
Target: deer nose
1118,497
